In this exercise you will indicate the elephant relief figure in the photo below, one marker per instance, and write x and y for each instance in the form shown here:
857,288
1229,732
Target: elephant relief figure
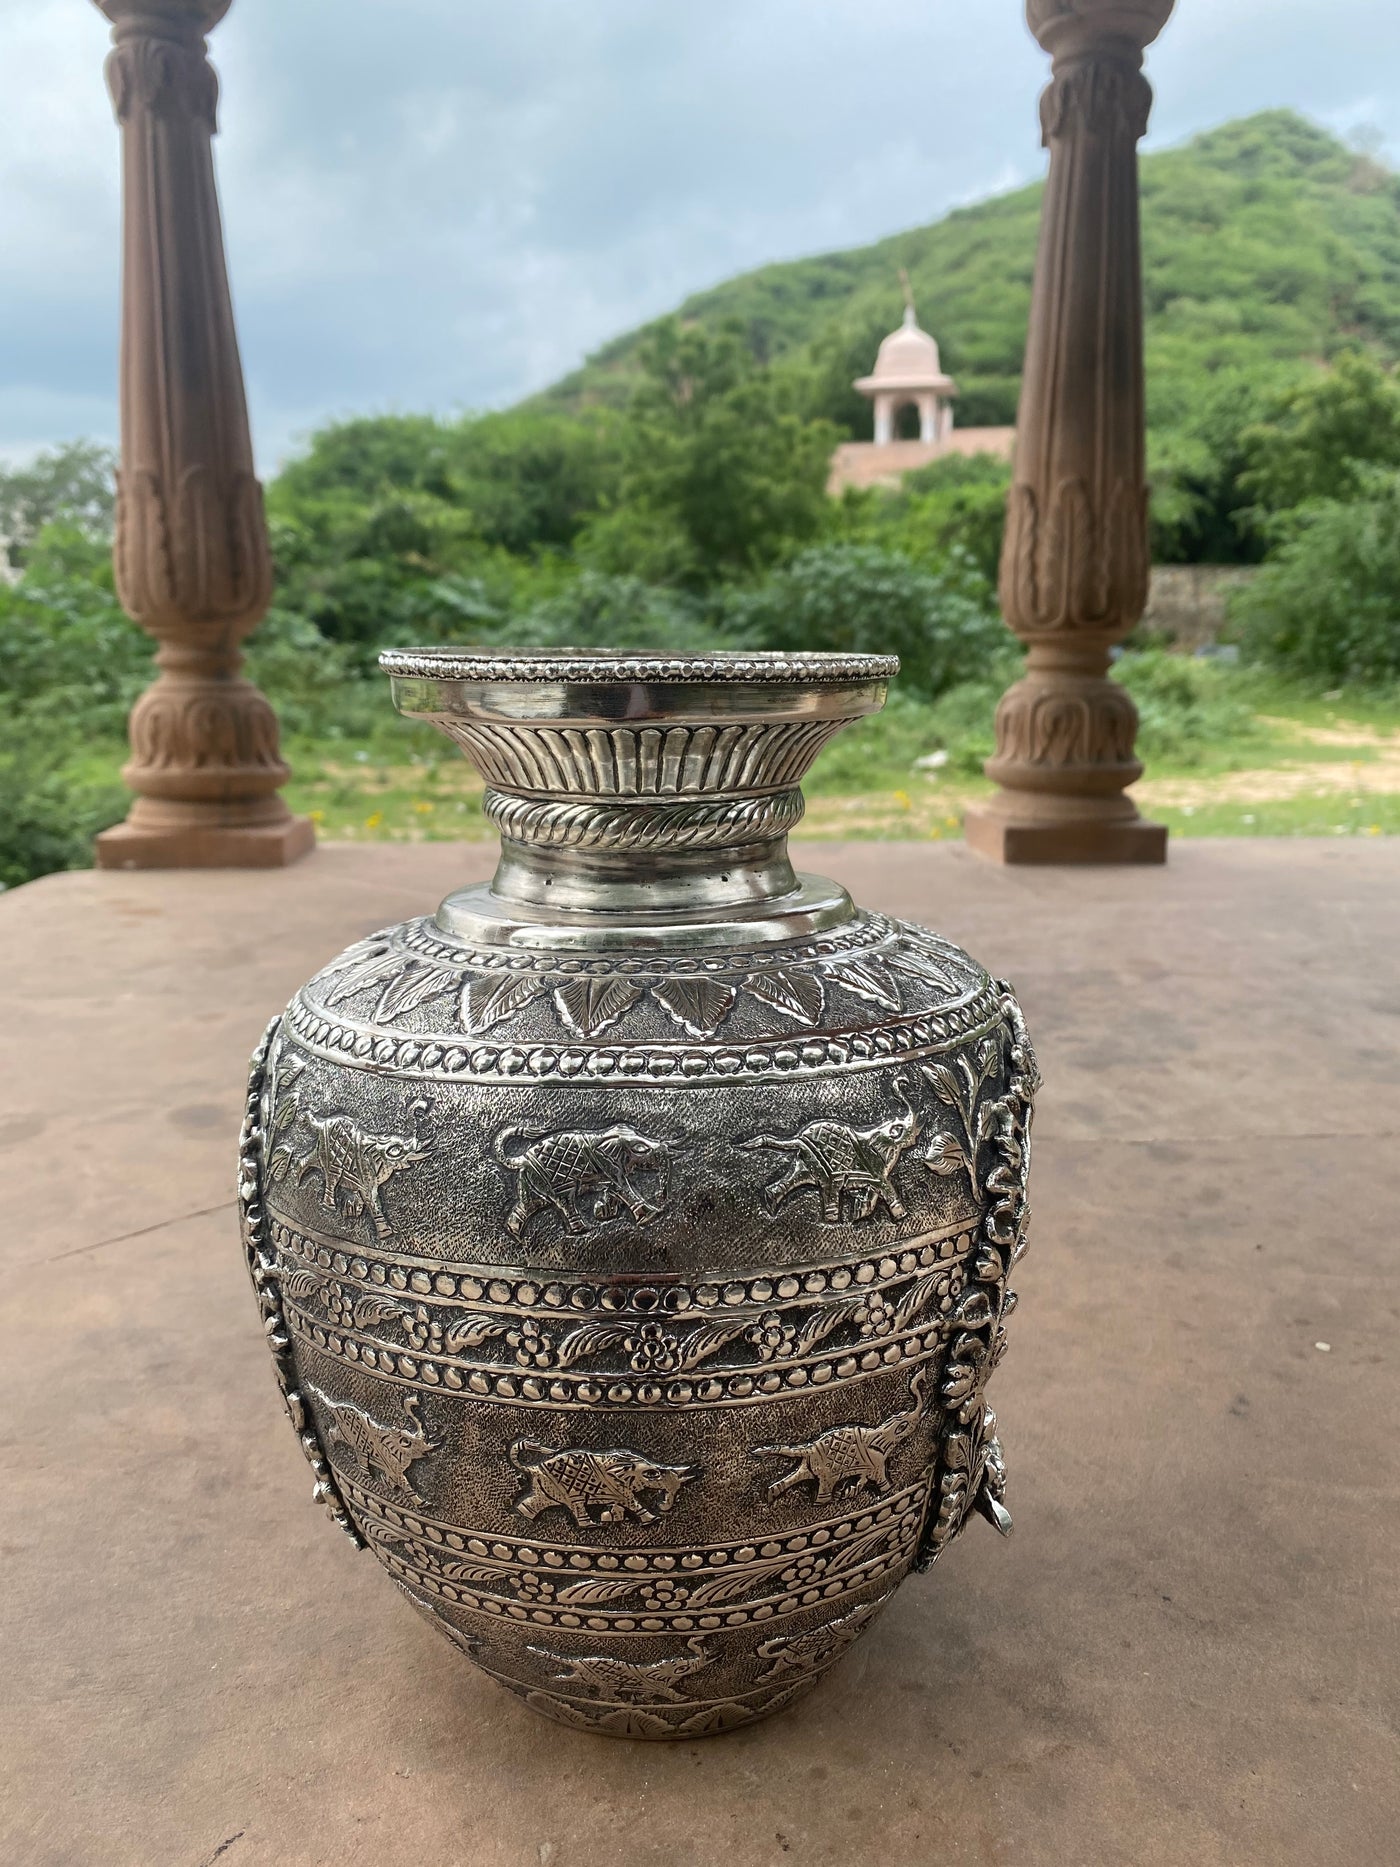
848,1455
843,1164
617,1484
586,1176
388,1450
355,1166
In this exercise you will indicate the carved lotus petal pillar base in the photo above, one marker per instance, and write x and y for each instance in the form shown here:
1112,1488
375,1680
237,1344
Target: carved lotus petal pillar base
1064,758
633,1237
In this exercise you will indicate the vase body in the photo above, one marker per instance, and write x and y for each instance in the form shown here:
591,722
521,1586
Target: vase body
633,1236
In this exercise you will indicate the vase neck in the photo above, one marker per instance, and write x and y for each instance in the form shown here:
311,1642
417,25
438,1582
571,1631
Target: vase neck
628,855
642,791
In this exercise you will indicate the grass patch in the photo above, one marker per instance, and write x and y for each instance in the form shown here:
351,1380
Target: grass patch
386,794
1296,816
1229,752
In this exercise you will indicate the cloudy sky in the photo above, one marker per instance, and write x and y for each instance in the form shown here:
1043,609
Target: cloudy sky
446,203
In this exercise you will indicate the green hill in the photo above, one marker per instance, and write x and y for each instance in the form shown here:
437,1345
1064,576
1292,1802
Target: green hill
1270,247
1266,242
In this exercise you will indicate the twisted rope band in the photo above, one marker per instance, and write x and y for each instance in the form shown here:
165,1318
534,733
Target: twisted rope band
672,825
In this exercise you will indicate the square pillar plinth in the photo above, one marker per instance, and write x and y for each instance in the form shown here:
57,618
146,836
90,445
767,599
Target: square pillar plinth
999,839
243,846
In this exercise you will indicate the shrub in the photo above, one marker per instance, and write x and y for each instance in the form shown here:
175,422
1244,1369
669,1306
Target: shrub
1326,605
1188,708
71,657
1323,436
598,611
959,501
939,620
311,682
70,485
723,476
50,818
883,752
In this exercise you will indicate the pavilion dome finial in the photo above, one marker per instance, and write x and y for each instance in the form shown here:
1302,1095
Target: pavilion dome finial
911,319
908,358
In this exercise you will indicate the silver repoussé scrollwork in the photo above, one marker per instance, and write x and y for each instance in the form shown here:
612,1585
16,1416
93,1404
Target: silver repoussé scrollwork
262,1269
971,1466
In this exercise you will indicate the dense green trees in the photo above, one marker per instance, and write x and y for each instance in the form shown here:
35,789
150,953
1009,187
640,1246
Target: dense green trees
1322,467
396,527
71,666
956,502
723,474
73,483
1319,438
696,515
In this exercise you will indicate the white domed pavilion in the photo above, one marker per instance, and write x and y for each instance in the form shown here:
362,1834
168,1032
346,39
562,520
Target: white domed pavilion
909,375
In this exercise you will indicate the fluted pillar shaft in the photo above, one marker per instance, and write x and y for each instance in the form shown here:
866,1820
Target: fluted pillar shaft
193,566
1075,567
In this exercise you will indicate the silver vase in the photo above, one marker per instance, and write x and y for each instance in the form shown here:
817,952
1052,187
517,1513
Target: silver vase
632,1237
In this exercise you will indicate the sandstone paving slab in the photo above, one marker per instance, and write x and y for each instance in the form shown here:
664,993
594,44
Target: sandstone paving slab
1186,1654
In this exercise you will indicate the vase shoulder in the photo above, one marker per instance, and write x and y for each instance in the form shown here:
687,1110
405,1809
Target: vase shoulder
865,990
611,1113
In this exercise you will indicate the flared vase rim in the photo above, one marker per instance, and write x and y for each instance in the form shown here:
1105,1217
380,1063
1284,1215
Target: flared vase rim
613,667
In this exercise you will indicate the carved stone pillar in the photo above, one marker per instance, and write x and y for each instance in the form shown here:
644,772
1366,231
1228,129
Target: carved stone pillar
192,560
1075,567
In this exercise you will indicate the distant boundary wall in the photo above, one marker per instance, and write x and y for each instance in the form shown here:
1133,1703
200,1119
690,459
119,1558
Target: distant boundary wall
1187,602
